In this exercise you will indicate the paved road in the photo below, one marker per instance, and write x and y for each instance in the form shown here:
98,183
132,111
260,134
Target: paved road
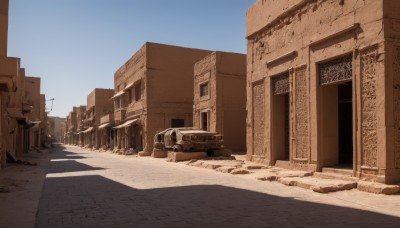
92,189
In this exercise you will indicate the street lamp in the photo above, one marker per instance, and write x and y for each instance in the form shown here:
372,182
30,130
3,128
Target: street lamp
52,100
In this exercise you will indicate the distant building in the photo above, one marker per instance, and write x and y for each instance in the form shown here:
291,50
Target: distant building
220,97
153,91
323,86
98,104
56,128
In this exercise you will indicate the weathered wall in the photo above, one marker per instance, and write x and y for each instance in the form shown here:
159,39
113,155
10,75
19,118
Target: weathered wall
392,88
296,37
169,88
3,27
225,74
32,94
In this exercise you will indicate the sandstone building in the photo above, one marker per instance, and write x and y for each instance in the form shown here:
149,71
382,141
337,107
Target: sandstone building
323,85
98,104
220,97
71,128
18,115
153,91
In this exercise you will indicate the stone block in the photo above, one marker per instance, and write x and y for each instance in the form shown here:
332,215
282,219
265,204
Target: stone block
225,169
159,153
144,153
240,171
378,188
185,156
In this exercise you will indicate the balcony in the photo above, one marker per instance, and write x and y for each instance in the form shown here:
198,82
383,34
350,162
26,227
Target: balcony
119,115
109,118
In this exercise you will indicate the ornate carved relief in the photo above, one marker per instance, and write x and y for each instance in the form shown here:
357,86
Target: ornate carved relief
280,84
336,70
396,100
369,134
259,119
302,114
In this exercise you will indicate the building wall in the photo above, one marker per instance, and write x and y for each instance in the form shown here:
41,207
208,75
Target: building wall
295,40
169,88
225,104
3,27
160,70
392,90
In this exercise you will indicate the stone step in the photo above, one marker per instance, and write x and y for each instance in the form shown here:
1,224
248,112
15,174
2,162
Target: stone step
338,171
378,188
282,164
319,185
334,176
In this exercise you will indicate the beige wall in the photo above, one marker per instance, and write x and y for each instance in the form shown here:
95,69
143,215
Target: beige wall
3,27
32,94
162,70
225,104
283,40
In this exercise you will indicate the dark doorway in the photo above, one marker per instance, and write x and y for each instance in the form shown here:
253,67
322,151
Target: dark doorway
345,115
177,123
204,121
281,126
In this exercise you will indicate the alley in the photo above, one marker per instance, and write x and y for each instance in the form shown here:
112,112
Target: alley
90,189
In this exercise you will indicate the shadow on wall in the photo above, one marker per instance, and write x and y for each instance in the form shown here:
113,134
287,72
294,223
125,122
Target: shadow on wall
95,201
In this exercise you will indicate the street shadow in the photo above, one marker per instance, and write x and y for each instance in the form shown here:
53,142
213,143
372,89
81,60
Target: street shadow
69,166
61,152
95,201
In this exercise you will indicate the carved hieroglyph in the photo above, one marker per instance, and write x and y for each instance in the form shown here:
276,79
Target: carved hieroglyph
339,69
259,119
396,100
302,114
280,84
369,134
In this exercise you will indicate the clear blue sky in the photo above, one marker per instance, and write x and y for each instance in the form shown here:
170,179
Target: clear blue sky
77,45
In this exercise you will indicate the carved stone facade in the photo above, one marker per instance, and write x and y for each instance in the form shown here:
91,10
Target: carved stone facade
369,133
259,119
396,111
343,85
336,70
280,84
302,101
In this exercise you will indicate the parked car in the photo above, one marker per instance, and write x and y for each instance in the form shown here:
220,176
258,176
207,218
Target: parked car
188,139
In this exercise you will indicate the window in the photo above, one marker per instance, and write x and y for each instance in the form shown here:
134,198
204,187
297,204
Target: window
129,92
204,89
138,91
177,123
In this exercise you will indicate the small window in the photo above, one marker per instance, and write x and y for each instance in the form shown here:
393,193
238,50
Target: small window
177,123
138,91
204,89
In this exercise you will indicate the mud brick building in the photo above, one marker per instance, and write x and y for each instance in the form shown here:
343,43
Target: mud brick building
32,95
71,127
153,91
323,86
80,125
220,97
98,104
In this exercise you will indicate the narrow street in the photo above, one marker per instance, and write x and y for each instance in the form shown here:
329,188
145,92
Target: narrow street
90,189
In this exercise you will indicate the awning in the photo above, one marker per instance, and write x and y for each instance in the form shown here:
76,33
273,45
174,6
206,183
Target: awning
126,124
15,113
118,94
88,130
36,122
104,125
130,85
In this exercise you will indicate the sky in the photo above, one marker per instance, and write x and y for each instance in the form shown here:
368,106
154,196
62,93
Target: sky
75,46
